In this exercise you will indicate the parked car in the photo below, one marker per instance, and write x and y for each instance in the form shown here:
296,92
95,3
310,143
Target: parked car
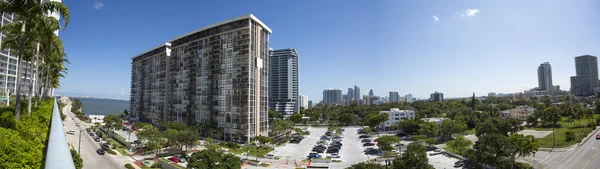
77,124
315,156
459,164
366,140
363,136
435,153
92,134
598,137
180,157
71,132
97,139
100,151
335,155
104,146
368,144
88,129
174,159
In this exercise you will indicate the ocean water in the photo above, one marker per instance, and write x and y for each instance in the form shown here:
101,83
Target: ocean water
102,106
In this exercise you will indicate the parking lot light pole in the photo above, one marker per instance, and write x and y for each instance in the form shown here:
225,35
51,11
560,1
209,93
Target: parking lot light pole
79,144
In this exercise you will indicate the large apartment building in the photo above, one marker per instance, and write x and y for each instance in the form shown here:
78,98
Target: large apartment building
216,76
283,76
8,62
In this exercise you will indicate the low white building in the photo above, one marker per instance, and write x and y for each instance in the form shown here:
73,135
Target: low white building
396,115
96,118
520,112
437,120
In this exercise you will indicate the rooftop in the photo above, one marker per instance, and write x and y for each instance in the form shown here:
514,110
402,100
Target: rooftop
248,16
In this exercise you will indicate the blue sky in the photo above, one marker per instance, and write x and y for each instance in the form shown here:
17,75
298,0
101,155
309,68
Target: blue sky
418,47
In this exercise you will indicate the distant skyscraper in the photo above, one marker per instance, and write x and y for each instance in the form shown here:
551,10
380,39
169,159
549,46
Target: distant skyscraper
436,97
310,104
408,98
371,93
394,97
350,94
332,96
357,95
586,78
545,77
283,77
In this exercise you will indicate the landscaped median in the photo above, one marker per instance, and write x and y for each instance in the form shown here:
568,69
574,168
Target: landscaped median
559,138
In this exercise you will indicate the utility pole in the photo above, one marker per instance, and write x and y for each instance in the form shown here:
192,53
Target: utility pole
79,144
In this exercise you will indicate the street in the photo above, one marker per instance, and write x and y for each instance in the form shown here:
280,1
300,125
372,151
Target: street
91,159
582,157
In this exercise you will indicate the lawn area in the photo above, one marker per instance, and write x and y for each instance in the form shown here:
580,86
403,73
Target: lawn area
472,131
577,126
252,150
120,147
452,150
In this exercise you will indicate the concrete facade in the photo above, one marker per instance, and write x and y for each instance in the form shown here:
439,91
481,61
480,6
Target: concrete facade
283,79
396,115
215,76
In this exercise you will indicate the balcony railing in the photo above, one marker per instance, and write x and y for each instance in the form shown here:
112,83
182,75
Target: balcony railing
58,154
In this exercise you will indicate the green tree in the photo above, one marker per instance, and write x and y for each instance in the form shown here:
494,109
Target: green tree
274,114
76,159
126,113
460,144
29,13
154,138
112,121
385,142
363,165
415,156
211,158
450,127
410,126
523,146
430,129
346,118
296,118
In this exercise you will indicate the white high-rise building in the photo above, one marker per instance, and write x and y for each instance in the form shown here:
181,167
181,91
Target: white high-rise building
303,101
357,94
408,98
332,96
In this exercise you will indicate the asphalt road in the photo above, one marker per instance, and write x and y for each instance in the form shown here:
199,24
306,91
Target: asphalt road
91,159
582,157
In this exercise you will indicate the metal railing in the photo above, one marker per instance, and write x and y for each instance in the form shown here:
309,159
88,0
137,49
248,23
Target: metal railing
58,154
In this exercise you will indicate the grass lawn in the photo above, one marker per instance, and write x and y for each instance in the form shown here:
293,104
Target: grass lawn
472,131
452,150
577,126
120,147
253,151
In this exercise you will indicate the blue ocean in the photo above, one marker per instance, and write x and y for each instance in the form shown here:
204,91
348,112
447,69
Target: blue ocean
93,106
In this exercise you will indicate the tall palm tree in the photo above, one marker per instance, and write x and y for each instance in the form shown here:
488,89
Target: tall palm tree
30,12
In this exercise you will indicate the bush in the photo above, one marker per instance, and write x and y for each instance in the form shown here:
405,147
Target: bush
570,135
232,145
128,166
110,151
155,165
115,145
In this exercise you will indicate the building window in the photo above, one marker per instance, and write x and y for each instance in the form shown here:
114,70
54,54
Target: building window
397,118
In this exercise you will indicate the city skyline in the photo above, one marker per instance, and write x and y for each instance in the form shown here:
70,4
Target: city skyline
472,39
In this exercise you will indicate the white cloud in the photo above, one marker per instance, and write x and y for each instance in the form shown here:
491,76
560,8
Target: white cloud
435,18
98,5
122,91
468,12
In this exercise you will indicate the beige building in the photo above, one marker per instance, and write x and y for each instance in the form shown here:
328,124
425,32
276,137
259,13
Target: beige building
216,76
520,112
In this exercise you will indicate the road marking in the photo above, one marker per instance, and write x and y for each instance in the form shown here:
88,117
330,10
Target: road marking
593,148
588,162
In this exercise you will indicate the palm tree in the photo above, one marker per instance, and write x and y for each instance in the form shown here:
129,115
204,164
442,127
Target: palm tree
29,12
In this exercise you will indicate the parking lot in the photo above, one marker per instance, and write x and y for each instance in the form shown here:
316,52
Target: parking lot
441,161
351,151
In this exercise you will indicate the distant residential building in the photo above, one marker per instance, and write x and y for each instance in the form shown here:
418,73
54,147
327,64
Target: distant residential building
303,100
332,96
436,97
401,99
350,94
408,98
545,77
95,118
586,78
370,100
394,97
371,93
378,102
491,94
396,115
344,97
310,104
283,81
520,112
